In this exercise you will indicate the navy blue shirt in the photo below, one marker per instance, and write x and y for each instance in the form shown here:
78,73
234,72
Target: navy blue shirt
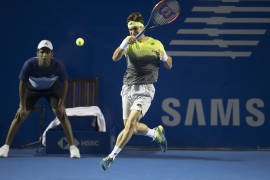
43,78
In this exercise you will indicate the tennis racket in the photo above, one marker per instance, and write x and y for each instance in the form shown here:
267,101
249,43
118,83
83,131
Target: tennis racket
164,12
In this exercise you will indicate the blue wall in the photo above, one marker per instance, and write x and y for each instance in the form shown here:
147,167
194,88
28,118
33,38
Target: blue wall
204,101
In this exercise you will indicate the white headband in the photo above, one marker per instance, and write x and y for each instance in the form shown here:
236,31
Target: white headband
132,24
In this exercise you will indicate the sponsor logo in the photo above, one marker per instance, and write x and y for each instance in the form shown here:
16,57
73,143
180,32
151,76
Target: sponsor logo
63,143
213,112
90,143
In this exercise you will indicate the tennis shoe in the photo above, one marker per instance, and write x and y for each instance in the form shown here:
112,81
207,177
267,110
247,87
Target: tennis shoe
160,138
4,151
106,162
74,152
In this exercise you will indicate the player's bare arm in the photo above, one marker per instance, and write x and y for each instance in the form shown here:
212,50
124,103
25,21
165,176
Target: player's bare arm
167,60
168,64
120,51
118,54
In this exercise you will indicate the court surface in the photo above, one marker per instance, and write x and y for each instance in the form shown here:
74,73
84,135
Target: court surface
139,165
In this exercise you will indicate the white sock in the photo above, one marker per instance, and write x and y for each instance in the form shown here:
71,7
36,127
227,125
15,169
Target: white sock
151,133
116,150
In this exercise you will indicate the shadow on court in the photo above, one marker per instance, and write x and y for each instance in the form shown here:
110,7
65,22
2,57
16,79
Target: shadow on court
170,155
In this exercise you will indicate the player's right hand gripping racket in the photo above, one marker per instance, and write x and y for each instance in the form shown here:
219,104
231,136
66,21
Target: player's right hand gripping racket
164,12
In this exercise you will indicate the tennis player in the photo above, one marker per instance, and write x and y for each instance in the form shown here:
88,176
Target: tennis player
143,56
42,76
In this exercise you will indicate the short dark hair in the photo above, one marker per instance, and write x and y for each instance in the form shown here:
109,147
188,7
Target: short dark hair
135,16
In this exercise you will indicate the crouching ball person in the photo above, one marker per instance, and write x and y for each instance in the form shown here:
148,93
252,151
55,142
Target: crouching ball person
42,76
143,56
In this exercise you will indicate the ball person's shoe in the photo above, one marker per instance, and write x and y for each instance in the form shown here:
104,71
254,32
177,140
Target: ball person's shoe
106,162
160,138
4,151
74,152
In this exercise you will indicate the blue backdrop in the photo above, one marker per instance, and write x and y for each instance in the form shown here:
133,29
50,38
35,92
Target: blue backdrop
216,95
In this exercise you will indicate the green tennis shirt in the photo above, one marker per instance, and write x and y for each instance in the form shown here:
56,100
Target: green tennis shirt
142,63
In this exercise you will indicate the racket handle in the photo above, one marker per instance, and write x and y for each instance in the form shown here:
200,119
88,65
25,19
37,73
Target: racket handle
139,34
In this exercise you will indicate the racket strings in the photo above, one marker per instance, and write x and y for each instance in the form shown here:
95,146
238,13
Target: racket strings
166,12
158,19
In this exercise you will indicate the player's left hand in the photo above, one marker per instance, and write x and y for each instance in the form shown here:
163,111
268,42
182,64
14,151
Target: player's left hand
159,53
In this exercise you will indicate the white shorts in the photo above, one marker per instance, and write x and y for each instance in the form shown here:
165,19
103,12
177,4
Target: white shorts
137,97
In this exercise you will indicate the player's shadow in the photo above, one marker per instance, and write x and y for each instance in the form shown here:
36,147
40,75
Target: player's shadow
174,155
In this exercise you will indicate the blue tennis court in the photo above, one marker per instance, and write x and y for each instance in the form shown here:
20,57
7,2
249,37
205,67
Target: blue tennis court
131,165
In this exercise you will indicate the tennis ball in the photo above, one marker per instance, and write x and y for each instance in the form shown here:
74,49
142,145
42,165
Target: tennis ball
79,42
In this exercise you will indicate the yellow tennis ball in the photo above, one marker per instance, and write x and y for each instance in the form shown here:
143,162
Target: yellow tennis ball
79,42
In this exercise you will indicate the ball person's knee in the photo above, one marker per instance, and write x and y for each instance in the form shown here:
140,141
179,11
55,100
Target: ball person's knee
59,111
21,115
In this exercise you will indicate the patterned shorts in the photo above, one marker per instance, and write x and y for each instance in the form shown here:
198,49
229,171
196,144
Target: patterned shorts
137,97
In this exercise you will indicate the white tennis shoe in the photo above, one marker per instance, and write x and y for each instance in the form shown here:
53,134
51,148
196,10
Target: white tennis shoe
4,151
74,152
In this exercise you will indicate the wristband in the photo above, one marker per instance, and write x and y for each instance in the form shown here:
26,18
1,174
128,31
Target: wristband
124,44
164,58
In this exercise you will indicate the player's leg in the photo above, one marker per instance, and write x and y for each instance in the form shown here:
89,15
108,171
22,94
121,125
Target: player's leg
131,118
126,105
60,113
127,102
129,128
21,114
125,135
157,134
144,96
65,123
140,98
140,129
143,129
122,139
